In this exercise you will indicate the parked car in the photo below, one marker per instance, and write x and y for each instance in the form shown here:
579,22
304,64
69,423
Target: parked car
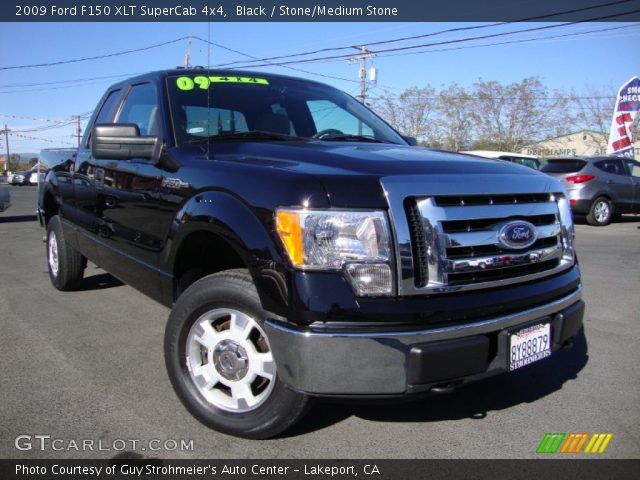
519,158
599,187
305,255
20,178
24,178
5,198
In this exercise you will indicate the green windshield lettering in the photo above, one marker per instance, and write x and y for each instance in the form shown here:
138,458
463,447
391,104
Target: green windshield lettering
188,83
184,83
202,82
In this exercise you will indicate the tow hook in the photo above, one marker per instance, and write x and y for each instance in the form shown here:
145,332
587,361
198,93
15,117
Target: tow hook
443,388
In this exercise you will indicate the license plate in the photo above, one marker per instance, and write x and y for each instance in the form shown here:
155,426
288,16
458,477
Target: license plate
529,345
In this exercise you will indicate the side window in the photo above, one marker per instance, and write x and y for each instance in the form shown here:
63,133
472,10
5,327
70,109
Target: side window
611,166
329,116
107,111
141,107
634,168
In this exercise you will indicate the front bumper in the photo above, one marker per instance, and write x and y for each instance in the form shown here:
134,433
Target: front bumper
397,363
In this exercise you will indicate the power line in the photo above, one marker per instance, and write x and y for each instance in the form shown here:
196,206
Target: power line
28,137
509,42
60,124
448,42
432,34
74,80
270,64
22,117
96,57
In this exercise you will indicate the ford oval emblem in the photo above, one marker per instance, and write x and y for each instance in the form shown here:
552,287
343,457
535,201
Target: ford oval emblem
517,235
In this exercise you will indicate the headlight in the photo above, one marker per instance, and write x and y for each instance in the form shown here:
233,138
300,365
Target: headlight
356,242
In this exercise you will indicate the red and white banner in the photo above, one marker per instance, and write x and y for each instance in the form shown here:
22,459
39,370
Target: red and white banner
627,107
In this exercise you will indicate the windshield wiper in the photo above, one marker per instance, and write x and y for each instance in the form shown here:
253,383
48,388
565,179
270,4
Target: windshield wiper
350,138
248,135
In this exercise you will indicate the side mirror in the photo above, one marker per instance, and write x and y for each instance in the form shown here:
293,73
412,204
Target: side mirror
410,140
122,141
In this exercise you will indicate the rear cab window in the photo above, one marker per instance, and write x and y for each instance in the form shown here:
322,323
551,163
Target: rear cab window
563,165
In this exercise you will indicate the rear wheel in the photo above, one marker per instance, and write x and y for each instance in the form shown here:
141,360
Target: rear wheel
220,362
66,265
601,212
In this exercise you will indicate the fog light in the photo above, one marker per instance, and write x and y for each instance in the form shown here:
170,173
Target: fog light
370,279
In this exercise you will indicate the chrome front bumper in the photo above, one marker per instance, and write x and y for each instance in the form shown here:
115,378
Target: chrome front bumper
337,364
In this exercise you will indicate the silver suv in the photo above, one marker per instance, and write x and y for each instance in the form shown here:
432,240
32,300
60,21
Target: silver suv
599,187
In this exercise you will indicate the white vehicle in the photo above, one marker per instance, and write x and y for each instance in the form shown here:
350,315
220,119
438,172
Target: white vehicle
530,161
33,178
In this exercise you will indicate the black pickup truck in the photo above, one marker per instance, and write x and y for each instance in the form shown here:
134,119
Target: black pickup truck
305,248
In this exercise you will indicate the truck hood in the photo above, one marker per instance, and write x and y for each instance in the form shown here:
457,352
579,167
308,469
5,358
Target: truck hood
351,172
358,158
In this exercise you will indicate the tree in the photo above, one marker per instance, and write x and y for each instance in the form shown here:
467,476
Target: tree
510,116
412,113
594,112
14,162
455,124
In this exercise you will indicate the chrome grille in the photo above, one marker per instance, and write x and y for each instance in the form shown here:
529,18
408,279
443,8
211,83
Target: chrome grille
462,200
455,239
418,244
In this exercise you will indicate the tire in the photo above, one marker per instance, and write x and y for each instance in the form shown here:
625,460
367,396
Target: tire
66,265
220,363
600,213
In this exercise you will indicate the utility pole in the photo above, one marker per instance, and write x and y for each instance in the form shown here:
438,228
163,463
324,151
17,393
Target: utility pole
78,129
187,57
6,138
362,75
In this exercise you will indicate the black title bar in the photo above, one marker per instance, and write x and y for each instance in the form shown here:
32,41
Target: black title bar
317,10
122,469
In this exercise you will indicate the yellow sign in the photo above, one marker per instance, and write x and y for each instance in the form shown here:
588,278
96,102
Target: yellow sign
203,82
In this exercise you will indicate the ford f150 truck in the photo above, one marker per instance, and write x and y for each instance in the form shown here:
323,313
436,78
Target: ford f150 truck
305,248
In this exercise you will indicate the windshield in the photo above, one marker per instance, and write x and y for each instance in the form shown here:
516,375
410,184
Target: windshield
227,107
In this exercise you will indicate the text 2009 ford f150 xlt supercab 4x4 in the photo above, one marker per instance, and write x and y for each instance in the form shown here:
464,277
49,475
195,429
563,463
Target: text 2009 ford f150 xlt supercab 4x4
305,248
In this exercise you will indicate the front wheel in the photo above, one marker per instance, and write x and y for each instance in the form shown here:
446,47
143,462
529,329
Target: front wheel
601,212
220,361
66,265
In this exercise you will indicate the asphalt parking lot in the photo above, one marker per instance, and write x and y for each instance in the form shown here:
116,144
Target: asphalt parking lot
88,365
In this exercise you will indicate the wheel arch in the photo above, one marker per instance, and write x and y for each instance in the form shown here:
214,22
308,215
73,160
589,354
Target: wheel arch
215,231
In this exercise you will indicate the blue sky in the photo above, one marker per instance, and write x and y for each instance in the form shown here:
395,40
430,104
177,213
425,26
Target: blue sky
604,60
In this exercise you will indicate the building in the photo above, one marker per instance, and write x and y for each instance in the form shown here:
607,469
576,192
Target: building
584,142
